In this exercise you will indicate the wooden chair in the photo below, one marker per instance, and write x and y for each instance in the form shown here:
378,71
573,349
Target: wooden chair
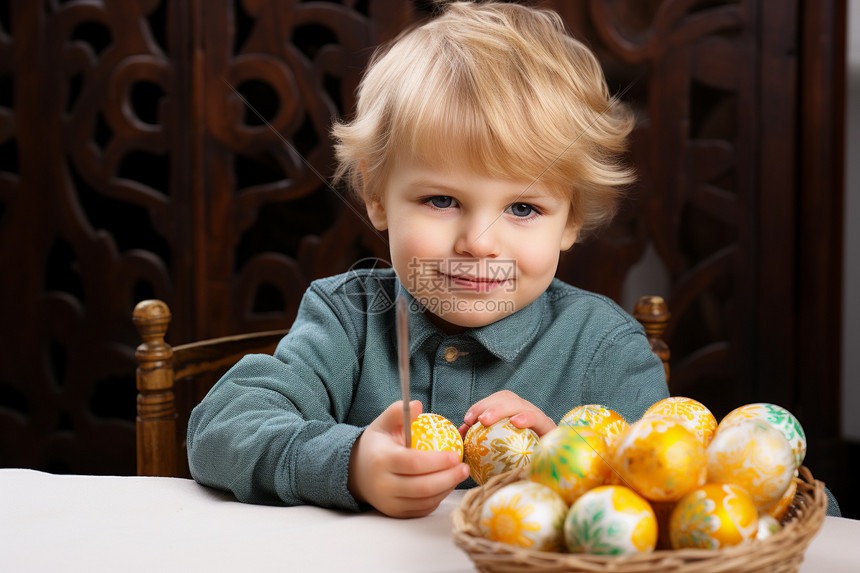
171,380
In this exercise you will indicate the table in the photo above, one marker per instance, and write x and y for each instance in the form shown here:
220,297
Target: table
103,523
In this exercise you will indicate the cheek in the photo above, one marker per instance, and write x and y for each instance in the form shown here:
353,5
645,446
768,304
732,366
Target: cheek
538,262
408,243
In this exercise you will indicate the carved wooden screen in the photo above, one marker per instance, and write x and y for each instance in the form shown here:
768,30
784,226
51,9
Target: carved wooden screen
180,149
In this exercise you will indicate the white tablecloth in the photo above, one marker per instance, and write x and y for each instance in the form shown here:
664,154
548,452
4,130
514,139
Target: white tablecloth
92,523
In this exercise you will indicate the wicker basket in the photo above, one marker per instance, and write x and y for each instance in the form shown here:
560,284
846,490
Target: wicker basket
781,552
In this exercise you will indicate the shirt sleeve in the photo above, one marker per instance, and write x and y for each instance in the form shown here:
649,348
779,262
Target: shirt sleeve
624,374
271,431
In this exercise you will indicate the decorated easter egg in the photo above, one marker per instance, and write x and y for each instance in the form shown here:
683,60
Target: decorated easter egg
767,526
497,449
608,423
754,455
610,520
570,460
432,432
713,516
690,413
660,459
779,509
777,416
525,514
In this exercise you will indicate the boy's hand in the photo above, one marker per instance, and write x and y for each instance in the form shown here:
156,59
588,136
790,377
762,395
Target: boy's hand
502,404
399,481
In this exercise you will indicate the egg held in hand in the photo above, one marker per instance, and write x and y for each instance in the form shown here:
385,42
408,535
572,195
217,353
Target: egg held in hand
713,516
524,514
660,459
496,449
570,460
610,520
432,432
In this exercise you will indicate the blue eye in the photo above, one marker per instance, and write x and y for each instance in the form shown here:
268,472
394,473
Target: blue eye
441,201
521,209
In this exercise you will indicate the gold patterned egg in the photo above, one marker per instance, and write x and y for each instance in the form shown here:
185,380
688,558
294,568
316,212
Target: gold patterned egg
432,432
660,459
524,514
497,449
608,423
690,413
714,516
754,455
610,520
570,461
777,416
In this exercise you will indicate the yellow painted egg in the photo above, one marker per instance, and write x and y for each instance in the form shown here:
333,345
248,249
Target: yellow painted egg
608,423
714,516
610,520
660,459
754,455
571,461
497,449
692,414
432,432
780,508
767,526
777,416
525,514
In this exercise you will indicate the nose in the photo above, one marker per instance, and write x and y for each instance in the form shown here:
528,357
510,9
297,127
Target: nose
478,238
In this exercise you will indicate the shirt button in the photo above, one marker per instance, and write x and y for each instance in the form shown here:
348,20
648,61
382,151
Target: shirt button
451,354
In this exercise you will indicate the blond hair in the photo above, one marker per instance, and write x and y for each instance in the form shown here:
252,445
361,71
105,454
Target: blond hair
501,89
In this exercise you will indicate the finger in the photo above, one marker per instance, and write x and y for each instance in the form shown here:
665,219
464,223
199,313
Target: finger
478,411
415,408
391,419
538,422
463,430
422,507
502,409
411,462
431,485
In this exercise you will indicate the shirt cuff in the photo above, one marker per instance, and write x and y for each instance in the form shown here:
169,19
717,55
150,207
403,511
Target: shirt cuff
321,470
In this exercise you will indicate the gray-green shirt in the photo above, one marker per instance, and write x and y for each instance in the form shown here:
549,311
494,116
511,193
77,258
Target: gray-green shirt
280,429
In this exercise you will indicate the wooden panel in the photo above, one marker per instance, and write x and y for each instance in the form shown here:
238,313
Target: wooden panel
274,75
91,223
685,68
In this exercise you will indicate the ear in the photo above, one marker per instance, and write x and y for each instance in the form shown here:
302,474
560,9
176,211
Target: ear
570,233
375,208
376,214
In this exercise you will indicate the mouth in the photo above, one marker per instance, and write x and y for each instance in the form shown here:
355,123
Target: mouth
476,284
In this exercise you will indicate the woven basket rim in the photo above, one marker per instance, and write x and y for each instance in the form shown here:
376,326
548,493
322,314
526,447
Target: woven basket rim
782,551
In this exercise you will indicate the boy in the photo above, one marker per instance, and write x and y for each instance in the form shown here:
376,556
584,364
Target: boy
485,143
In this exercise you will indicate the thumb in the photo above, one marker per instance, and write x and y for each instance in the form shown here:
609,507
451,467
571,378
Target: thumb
392,418
415,408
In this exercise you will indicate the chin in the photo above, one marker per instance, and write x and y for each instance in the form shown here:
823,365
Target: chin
456,321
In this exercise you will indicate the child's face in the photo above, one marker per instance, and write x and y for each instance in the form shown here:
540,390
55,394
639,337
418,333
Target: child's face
472,249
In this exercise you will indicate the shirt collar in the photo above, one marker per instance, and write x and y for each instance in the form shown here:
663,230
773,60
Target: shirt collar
505,338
